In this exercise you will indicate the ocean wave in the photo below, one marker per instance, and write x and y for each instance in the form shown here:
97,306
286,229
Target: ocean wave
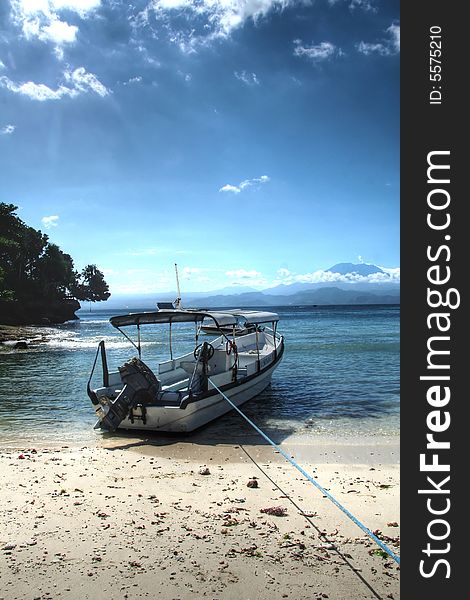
77,343
93,322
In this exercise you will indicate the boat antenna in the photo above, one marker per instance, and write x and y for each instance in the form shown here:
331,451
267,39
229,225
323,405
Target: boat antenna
177,302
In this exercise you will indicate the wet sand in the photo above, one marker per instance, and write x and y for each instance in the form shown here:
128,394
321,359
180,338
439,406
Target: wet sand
130,517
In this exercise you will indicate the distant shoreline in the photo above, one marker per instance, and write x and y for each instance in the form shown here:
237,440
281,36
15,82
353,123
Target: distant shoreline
138,307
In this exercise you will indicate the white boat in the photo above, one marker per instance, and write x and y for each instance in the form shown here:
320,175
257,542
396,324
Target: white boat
180,395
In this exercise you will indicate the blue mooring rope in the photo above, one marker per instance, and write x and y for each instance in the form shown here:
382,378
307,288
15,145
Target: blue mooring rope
365,529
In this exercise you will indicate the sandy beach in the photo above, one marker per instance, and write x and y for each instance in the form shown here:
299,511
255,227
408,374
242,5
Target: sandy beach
138,518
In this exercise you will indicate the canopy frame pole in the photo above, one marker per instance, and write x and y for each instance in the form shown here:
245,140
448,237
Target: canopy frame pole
274,323
236,363
128,338
177,302
139,350
171,344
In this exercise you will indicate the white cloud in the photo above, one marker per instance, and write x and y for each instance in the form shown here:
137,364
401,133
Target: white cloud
59,32
171,4
82,7
49,8
386,47
243,277
51,221
216,18
186,76
394,273
365,5
146,56
36,91
236,189
2,65
368,48
247,78
79,80
243,274
83,82
162,5
283,272
41,19
132,80
390,275
7,130
317,52
394,33
59,52
230,188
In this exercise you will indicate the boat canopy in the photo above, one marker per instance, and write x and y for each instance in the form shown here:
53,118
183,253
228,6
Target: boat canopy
223,320
257,316
249,317
220,319
172,316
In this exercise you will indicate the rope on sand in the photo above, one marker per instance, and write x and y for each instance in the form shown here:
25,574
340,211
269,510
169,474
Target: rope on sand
354,519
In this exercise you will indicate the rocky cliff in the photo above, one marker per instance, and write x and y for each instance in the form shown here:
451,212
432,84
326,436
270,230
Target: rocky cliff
38,313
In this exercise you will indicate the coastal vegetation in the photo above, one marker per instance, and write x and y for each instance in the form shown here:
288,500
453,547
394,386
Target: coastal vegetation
38,281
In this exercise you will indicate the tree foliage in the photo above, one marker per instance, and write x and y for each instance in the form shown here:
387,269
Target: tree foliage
32,268
90,285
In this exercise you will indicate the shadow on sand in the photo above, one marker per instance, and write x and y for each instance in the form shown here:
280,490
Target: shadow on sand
229,430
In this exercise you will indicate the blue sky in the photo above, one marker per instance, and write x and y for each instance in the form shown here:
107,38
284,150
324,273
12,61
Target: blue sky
252,142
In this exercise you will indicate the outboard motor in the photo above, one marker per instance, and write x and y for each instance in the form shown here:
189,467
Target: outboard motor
140,386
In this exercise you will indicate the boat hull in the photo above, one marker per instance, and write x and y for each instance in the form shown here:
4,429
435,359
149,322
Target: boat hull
203,411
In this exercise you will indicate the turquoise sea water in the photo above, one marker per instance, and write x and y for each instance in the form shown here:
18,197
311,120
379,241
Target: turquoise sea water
339,376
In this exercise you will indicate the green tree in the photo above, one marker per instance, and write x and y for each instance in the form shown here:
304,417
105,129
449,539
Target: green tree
90,285
11,232
54,272
33,269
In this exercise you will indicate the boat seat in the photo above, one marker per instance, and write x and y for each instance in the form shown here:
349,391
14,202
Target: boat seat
166,366
188,366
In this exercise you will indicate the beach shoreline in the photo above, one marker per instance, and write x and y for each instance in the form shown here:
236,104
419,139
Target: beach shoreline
128,517
321,449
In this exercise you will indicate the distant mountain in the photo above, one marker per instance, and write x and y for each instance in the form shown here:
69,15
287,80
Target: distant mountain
323,295
233,289
316,294
359,269
297,293
286,289
335,295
